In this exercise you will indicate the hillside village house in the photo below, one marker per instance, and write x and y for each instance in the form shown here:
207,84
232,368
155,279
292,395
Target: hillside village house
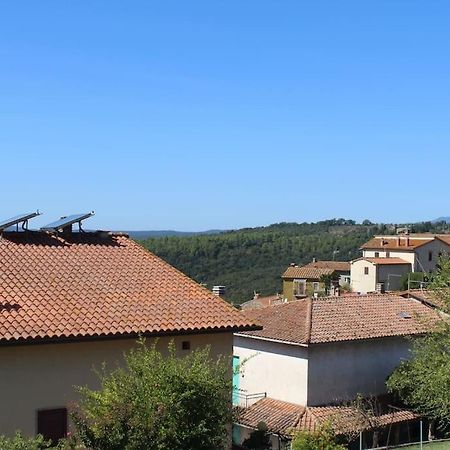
386,259
300,282
316,353
70,301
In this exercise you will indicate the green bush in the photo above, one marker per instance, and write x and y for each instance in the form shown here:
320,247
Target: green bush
158,402
19,442
321,439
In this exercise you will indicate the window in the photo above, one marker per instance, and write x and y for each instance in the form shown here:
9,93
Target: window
52,423
316,286
377,254
388,254
430,256
186,345
299,288
366,271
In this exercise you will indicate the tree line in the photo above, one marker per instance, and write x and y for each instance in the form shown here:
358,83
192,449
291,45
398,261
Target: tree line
253,259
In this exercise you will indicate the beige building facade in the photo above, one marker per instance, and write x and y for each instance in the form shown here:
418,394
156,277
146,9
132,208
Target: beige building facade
44,377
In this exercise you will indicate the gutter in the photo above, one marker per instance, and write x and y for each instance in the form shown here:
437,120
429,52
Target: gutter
278,341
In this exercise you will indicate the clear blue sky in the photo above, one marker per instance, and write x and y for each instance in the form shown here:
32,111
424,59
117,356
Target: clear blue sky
193,115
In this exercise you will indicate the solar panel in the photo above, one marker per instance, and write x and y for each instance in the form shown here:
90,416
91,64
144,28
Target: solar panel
17,219
58,225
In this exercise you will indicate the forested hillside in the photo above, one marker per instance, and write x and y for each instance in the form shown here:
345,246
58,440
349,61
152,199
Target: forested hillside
253,259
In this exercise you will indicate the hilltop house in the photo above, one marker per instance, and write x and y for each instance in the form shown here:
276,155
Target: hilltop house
386,259
323,352
70,301
300,282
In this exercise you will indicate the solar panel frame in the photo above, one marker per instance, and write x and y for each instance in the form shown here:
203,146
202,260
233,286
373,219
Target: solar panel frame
17,219
59,224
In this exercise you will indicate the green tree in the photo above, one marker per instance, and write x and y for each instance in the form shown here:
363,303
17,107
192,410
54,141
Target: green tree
19,442
423,382
321,439
158,402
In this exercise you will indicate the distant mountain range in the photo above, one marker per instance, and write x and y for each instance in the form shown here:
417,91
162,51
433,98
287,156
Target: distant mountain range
442,219
145,234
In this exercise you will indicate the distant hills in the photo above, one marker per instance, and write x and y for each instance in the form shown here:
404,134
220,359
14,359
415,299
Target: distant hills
145,234
253,259
445,219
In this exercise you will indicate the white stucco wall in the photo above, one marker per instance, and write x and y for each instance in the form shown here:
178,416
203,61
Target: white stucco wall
408,256
278,369
36,377
340,371
418,258
360,282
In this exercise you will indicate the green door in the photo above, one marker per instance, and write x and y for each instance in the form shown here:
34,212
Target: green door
236,379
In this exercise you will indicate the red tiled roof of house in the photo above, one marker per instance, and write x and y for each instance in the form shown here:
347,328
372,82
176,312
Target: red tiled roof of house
99,284
437,298
305,272
287,418
340,266
261,302
333,319
403,242
384,261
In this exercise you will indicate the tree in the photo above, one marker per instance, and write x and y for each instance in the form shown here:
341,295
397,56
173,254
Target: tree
423,382
19,442
158,402
321,439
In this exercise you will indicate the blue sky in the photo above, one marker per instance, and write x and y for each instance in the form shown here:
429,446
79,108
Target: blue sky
194,115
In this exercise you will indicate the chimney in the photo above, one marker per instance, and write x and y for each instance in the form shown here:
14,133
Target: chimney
314,260
292,264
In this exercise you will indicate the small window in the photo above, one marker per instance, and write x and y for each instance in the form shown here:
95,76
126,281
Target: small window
388,254
316,286
186,345
430,256
377,254
299,288
52,424
366,271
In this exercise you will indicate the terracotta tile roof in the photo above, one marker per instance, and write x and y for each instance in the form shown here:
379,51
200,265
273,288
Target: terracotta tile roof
287,418
288,322
333,319
403,242
261,302
384,261
340,266
99,284
437,299
305,272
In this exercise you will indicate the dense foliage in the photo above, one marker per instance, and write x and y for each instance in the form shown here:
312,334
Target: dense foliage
19,442
321,439
253,259
423,383
158,402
